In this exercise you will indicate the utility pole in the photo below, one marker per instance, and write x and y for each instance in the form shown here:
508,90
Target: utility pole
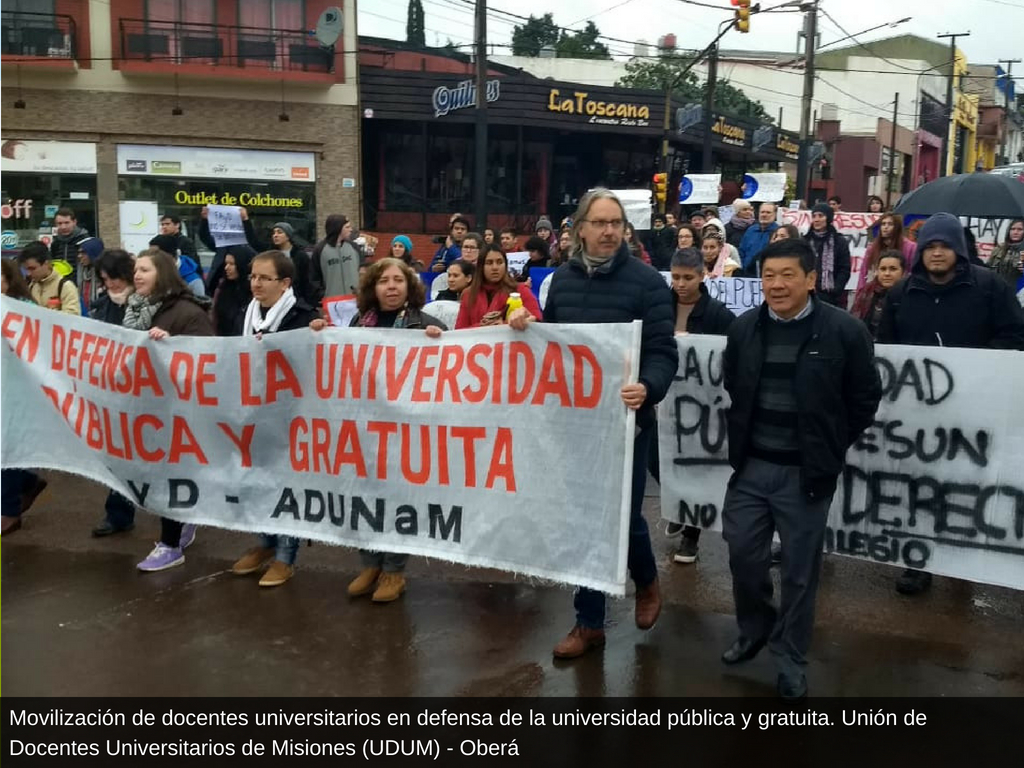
709,108
1006,109
892,153
480,158
944,166
810,38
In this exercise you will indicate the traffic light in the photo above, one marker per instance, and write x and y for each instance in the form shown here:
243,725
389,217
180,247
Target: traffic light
661,187
742,15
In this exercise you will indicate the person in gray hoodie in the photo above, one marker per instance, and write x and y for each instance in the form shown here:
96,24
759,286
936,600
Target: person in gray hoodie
334,268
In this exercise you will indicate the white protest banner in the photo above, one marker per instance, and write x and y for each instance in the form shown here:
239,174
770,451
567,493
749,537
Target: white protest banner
934,483
739,294
637,203
855,227
764,187
377,438
700,188
341,310
226,225
516,261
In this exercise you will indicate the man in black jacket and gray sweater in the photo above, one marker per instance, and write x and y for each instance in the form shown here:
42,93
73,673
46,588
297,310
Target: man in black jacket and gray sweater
803,385
603,283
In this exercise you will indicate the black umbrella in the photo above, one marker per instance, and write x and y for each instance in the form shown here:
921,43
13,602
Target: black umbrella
983,195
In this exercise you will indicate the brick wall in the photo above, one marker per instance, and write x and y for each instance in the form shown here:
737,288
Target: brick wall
110,118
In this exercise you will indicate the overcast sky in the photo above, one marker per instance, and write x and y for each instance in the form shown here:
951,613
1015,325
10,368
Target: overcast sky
995,25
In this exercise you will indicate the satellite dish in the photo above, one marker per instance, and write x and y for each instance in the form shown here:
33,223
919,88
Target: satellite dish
329,26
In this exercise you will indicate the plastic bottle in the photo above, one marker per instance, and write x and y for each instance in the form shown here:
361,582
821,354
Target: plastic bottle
515,301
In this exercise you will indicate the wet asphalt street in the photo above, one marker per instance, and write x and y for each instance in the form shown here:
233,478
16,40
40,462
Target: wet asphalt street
78,619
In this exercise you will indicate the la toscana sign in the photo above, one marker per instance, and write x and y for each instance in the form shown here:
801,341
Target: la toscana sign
602,112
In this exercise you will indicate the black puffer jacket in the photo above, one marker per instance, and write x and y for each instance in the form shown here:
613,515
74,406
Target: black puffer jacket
977,309
622,290
709,315
837,388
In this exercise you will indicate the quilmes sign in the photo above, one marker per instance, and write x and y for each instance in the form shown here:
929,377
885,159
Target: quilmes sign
461,96
603,112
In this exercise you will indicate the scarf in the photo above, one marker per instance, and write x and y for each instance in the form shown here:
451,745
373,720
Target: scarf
593,262
140,312
371,317
738,222
828,258
256,324
119,298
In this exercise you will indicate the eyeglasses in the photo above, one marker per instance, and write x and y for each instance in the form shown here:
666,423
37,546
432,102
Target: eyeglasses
605,223
263,279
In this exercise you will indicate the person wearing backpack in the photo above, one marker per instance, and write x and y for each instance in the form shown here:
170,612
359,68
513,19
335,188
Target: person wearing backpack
48,287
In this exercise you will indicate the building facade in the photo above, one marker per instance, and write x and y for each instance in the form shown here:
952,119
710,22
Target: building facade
125,110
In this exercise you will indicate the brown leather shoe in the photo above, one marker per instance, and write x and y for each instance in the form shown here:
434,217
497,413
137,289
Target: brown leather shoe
364,583
579,641
648,605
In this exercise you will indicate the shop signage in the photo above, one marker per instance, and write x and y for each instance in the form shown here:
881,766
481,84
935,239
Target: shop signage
601,112
246,199
731,134
762,138
689,116
9,239
463,95
17,209
47,157
210,163
784,144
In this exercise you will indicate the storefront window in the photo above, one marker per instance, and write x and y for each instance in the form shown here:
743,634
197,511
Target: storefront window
501,175
449,174
401,162
267,202
30,201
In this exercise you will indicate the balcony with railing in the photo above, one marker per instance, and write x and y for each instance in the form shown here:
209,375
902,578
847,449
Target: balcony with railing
233,51
39,39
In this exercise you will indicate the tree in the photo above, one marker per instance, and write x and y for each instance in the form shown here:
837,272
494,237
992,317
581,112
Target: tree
534,34
582,45
657,74
529,38
415,34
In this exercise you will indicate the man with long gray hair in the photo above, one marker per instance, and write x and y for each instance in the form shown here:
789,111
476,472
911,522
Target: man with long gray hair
603,283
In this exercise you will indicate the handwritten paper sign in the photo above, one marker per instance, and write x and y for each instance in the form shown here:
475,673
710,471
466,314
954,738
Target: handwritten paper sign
341,310
225,225
934,482
516,261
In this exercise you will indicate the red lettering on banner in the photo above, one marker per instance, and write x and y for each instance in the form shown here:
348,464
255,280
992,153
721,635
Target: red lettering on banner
424,371
383,430
245,374
448,372
501,461
469,435
100,358
145,374
140,447
420,476
499,365
583,355
442,455
94,431
552,378
184,442
125,452
280,376
348,450
188,371
351,376
58,341
27,333
520,351
205,378
74,338
321,445
371,389
242,442
395,382
297,453
478,371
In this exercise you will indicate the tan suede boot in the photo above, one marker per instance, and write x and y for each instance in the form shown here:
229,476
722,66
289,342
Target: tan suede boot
252,561
389,588
364,583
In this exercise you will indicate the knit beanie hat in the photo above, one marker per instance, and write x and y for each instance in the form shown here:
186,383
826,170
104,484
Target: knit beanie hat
285,227
543,224
826,209
404,241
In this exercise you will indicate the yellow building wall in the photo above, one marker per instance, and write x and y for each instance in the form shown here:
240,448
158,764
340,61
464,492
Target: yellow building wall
965,115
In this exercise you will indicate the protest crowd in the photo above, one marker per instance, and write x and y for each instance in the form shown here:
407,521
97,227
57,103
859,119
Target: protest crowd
799,369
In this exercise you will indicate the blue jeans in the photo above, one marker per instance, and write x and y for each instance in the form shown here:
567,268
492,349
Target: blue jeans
286,548
389,562
120,511
13,484
643,569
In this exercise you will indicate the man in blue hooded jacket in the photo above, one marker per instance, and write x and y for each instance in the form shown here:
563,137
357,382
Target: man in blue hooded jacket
948,302
756,239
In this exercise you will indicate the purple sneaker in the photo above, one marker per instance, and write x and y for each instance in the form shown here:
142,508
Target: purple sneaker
188,536
161,558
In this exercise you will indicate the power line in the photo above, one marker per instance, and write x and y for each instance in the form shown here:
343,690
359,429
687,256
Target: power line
862,45
600,13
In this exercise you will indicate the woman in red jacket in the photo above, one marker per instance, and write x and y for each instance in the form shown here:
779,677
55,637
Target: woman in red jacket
483,303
